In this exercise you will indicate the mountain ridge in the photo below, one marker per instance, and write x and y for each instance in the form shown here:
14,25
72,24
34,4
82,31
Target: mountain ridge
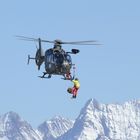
96,121
106,121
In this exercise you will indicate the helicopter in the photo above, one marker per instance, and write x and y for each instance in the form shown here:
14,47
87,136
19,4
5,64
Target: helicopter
57,61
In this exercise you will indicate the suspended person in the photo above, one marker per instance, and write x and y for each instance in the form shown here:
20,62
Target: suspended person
75,87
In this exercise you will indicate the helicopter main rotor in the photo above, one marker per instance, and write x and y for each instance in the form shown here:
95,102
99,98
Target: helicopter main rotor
59,42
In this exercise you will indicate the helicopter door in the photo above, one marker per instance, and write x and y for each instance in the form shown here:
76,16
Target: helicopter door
58,59
58,62
67,63
49,62
68,58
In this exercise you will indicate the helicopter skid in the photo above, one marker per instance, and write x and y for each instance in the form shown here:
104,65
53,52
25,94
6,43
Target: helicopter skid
43,76
66,78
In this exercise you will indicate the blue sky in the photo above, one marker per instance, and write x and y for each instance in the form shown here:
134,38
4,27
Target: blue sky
109,73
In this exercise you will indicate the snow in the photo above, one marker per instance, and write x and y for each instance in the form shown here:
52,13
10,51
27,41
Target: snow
96,121
54,128
12,127
4,138
106,122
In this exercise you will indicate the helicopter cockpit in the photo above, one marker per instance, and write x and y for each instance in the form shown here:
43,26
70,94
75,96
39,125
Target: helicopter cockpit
57,62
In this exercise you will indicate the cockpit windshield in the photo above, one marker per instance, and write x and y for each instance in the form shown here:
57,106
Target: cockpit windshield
49,56
58,58
68,58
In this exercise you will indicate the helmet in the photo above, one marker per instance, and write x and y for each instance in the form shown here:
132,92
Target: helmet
76,79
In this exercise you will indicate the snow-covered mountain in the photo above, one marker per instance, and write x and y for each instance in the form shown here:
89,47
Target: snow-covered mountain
106,122
50,130
96,121
12,127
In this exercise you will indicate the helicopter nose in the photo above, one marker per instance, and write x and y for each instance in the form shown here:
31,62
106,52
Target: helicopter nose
65,63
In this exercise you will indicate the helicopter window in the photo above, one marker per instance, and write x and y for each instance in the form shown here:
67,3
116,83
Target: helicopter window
49,56
68,58
58,58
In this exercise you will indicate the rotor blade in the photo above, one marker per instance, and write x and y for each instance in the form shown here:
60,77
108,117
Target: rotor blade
84,44
24,37
27,38
42,40
80,42
87,42
33,39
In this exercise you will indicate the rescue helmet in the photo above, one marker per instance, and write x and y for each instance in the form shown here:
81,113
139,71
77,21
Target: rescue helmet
76,79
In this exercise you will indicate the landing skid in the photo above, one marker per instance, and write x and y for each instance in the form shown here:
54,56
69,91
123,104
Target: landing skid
43,76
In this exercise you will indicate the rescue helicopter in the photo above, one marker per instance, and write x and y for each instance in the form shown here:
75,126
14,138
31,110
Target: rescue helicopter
57,61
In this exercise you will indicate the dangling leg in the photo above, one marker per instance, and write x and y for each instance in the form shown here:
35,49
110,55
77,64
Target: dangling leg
74,92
